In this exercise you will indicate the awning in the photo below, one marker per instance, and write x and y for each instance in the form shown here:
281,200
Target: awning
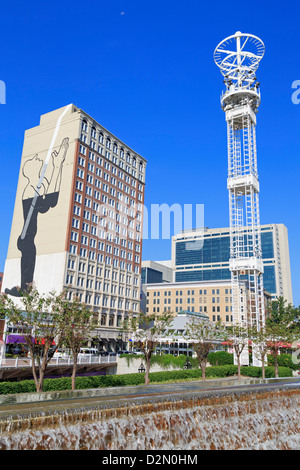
21,339
15,339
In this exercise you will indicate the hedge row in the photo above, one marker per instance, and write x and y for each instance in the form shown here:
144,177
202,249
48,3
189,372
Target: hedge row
284,360
220,358
104,381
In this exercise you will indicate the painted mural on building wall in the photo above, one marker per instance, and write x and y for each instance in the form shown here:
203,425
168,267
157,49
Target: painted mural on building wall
42,179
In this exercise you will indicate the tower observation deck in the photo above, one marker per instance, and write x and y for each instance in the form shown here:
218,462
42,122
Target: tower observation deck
238,58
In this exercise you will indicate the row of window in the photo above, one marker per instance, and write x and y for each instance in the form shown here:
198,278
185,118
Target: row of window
99,245
179,309
92,191
201,308
212,250
92,180
192,300
94,212
96,300
90,284
99,271
191,292
93,168
130,164
100,258
94,133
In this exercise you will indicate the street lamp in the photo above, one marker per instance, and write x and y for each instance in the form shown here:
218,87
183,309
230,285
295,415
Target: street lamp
141,369
187,365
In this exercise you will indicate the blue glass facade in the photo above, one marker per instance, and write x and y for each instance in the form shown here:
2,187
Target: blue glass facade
216,249
151,276
203,275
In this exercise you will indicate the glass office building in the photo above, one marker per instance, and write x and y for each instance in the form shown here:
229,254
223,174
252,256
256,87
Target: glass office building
154,272
204,256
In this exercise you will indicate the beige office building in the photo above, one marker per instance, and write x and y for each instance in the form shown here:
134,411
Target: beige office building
213,299
78,217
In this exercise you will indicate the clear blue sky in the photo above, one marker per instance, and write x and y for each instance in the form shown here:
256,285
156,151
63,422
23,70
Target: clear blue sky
145,71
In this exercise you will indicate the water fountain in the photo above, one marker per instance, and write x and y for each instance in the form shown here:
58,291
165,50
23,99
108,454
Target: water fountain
253,417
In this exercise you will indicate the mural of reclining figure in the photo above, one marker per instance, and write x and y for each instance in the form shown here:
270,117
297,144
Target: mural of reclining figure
39,196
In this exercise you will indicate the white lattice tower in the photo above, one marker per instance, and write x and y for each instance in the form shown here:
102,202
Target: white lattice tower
238,57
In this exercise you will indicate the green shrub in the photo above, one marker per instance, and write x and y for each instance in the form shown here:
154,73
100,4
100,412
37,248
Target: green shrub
105,381
251,371
220,358
256,372
284,360
282,372
168,360
221,371
165,361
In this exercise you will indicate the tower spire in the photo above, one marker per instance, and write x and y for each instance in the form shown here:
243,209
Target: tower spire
238,58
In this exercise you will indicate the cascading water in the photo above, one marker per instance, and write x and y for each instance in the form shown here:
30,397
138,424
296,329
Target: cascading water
217,421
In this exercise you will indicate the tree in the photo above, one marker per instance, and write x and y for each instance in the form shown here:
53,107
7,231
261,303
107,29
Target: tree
38,319
281,312
279,335
282,328
75,326
146,333
203,335
238,337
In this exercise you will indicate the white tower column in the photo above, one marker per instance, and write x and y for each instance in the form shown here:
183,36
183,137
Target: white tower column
238,58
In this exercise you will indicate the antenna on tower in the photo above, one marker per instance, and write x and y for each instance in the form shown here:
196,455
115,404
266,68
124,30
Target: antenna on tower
238,57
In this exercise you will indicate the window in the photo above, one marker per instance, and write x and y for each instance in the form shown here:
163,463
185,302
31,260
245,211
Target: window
75,223
84,240
93,132
74,236
81,161
76,210
84,125
78,198
79,185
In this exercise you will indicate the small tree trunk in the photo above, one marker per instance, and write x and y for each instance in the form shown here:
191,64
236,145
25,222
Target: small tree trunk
238,356
239,365
147,380
43,367
33,368
35,377
263,367
40,380
276,365
74,371
203,369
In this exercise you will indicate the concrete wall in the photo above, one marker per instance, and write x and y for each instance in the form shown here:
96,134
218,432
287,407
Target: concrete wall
134,364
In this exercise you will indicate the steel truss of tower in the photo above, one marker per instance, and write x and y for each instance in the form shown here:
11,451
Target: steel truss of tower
238,57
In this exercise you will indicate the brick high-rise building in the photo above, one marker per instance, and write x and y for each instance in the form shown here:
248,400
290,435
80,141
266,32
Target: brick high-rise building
78,216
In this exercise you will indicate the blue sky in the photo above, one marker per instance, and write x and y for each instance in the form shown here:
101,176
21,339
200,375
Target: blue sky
145,71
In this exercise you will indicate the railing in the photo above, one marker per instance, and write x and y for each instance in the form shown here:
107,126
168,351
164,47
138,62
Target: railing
27,362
